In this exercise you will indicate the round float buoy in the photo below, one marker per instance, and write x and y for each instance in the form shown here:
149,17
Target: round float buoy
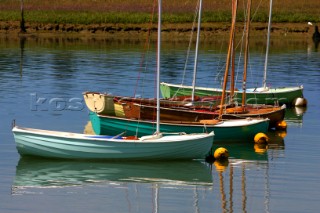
221,153
300,102
261,138
260,148
282,125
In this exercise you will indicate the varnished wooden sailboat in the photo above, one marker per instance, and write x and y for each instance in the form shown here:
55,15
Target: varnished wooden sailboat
143,110
147,112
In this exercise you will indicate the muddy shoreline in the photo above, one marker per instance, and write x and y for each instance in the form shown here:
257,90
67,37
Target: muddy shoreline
170,31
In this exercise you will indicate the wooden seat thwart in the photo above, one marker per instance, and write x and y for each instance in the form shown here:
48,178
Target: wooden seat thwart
236,110
210,121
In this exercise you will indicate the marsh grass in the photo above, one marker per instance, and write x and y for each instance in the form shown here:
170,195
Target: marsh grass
140,11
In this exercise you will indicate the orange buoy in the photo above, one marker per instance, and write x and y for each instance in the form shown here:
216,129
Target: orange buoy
221,153
282,125
261,138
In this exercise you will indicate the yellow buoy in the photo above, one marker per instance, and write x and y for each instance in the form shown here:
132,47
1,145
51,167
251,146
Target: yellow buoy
221,153
261,138
282,125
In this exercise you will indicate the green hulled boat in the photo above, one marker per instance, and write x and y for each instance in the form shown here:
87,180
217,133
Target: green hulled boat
281,95
229,130
69,145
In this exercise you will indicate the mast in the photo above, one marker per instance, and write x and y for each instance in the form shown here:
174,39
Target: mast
158,67
232,84
267,49
196,52
232,76
244,81
234,5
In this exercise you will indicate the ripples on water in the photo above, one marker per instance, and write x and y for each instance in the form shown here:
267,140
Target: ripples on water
282,177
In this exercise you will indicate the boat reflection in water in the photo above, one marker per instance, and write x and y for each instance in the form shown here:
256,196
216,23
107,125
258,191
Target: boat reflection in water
255,152
35,172
247,170
294,116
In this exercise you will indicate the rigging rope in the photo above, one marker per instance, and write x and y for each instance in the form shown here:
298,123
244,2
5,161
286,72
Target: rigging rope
146,49
189,46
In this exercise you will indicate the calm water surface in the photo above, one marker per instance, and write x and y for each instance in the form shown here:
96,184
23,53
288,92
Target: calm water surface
42,81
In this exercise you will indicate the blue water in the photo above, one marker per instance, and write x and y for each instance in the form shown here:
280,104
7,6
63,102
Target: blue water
41,85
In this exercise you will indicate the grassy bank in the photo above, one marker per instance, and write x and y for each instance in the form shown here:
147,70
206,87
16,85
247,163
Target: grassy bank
140,11
132,18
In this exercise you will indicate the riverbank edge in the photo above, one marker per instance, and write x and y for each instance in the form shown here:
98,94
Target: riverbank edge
170,31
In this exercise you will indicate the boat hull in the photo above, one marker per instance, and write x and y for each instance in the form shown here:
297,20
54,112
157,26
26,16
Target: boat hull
106,104
232,130
274,114
99,103
282,95
65,145
147,112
